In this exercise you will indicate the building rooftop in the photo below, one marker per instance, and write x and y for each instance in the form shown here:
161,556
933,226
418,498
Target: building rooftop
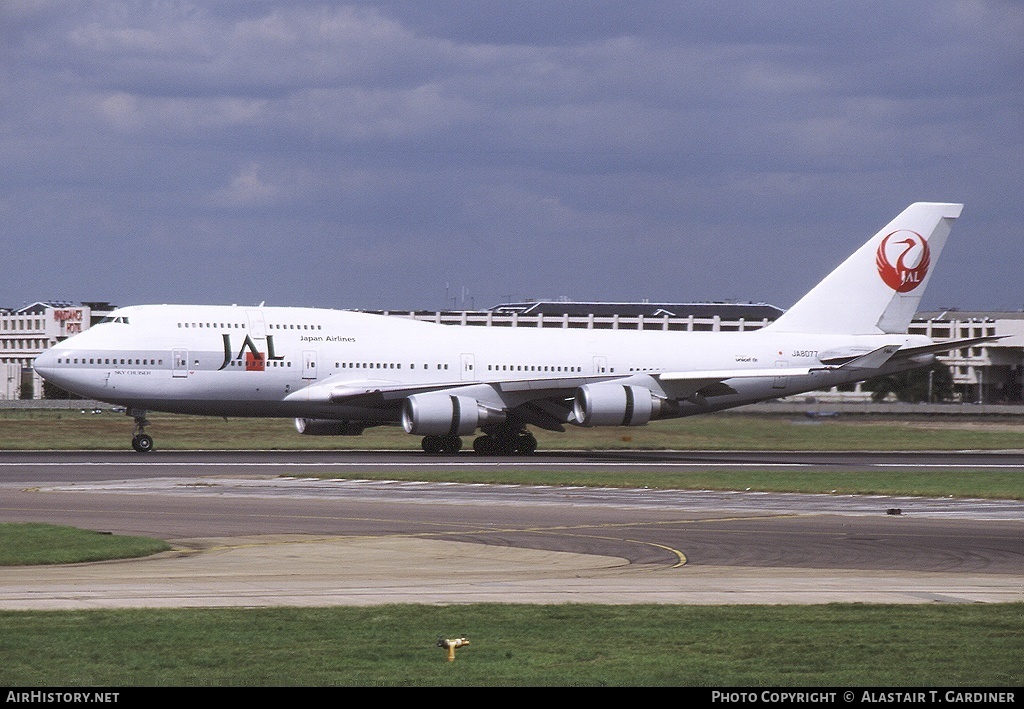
954,314
726,311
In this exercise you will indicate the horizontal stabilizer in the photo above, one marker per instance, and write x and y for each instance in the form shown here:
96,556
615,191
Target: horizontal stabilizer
946,346
872,360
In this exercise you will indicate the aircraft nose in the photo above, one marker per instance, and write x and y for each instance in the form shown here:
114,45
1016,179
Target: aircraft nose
44,363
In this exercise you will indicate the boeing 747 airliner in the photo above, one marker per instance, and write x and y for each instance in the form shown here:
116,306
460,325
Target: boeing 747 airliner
338,372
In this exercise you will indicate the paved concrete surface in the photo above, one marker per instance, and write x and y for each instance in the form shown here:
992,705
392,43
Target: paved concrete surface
257,540
320,571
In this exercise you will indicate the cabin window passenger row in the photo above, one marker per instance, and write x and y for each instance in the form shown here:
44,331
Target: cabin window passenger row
530,368
367,365
223,326
105,360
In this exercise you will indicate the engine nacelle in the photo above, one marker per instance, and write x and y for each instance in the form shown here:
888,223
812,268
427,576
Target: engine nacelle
328,427
615,405
437,414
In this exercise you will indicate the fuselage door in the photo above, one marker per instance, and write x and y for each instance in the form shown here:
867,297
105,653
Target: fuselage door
600,365
257,361
257,326
780,382
309,358
468,368
179,359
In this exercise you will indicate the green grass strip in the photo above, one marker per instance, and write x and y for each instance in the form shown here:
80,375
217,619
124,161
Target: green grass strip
26,544
840,645
988,484
71,430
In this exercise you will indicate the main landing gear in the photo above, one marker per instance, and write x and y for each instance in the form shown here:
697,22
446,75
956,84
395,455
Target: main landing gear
497,441
441,444
506,443
142,442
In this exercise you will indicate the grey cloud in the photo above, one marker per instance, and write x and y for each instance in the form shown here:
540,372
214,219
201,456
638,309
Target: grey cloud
592,149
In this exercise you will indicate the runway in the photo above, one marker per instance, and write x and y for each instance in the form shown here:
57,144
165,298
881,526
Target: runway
89,465
249,532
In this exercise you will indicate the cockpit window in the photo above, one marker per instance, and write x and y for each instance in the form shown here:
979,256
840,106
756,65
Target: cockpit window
120,319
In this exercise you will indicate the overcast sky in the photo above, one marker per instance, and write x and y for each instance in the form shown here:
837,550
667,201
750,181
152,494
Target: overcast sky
373,154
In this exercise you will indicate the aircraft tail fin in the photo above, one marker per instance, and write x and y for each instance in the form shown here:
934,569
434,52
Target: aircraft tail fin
878,288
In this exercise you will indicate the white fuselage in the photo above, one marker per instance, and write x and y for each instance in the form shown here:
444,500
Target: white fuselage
274,361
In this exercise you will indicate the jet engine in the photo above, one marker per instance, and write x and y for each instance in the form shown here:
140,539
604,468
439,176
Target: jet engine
615,405
328,427
438,414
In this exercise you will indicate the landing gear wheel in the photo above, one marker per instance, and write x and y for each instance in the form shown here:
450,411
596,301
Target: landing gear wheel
483,445
505,443
441,444
142,443
526,444
432,444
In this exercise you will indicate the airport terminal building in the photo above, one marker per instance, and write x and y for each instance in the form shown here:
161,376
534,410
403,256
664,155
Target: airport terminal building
26,332
988,373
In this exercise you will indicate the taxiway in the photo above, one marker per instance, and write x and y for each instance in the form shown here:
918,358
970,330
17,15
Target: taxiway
249,531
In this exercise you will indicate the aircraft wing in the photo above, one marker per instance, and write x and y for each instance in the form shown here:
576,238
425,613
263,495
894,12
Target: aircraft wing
370,392
544,402
703,383
717,375
364,392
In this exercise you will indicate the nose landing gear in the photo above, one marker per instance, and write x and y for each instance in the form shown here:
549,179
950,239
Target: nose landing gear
141,441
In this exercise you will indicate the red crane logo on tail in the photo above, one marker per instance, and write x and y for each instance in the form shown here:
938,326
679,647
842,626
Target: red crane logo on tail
909,247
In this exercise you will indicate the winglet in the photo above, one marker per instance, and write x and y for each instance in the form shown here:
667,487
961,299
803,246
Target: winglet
879,287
